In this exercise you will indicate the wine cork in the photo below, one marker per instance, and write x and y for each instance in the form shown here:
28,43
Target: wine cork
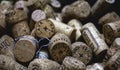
44,28
43,64
100,7
96,66
42,54
81,52
93,39
113,49
60,47
71,63
36,16
78,9
114,62
7,63
15,16
6,45
63,28
50,13
7,3
2,22
111,31
21,5
55,4
20,29
37,4
109,17
78,26
25,48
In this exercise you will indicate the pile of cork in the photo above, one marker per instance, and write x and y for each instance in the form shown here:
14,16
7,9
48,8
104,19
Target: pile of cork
59,35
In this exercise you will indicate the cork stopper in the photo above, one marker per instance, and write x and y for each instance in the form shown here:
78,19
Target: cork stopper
81,52
44,28
20,29
60,47
71,63
93,39
25,48
96,66
43,64
2,22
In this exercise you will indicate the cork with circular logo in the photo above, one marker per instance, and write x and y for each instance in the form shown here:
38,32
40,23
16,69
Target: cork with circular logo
25,48
7,63
60,47
78,26
6,45
111,31
70,63
15,16
93,39
43,64
36,16
2,22
20,29
109,17
44,28
81,52
114,62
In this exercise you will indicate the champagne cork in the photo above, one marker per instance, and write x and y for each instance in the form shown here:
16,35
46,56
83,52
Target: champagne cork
78,9
6,45
96,66
15,16
60,47
25,48
100,7
44,28
113,49
43,64
37,4
81,52
2,22
20,29
50,13
7,63
21,5
36,16
111,31
78,26
71,63
63,28
109,17
93,39
114,62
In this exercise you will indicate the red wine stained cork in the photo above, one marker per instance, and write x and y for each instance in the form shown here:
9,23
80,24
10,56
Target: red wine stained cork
70,63
21,5
114,62
60,47
43,64
50,13
7,63
25,48
15,16
100,7
20,29
2,22
37,4
6,45
96,66
109,17
78,26
44,28
113,49
63,28
81,52
78,9
36,16
111,31
93,39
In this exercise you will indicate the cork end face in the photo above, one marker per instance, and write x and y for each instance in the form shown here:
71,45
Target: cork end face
110,1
